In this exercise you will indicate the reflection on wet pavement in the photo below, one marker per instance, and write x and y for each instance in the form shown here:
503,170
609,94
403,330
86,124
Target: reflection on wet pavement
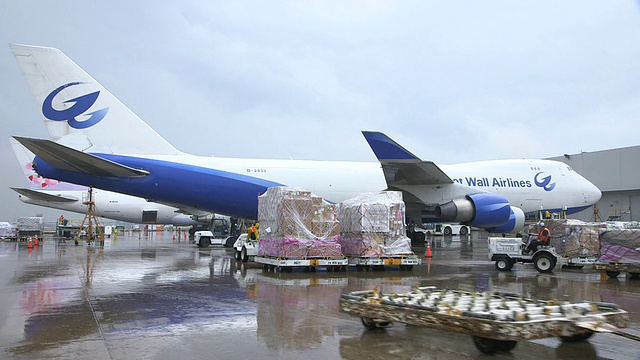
148,296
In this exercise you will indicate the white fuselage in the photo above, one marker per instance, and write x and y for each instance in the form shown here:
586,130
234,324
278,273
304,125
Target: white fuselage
114,206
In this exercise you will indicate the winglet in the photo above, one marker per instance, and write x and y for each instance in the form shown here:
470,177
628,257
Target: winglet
385,148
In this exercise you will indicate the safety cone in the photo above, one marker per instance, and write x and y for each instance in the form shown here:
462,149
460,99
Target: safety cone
429,255
30,243
35,240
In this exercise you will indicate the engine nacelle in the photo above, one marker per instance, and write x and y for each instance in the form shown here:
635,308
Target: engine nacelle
202,218
482,210
514,224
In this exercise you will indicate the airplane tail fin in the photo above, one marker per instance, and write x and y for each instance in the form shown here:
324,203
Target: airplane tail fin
385,148
35,181
79,112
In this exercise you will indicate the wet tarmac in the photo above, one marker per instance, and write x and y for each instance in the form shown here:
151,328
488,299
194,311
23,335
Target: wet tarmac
152,297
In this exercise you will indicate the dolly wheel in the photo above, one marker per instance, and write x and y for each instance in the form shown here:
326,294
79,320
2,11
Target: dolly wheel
576,337
486,345
371,324
507,345
612,274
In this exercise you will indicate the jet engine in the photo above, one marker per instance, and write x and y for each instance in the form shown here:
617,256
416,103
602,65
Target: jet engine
514,224
488,211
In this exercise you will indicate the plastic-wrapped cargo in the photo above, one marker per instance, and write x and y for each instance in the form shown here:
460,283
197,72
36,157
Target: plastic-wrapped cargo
572,237
374,225
7,230
620,245
294,223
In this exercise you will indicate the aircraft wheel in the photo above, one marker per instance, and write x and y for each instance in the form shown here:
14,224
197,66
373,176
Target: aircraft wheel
612,274
544,262
244,255
504,264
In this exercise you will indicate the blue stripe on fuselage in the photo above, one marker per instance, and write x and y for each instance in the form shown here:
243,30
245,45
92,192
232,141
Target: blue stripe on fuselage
203,188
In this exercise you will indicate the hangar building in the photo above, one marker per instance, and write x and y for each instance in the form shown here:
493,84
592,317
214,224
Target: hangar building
615,173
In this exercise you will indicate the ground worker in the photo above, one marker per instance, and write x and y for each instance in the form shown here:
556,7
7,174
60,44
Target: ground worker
543,238
253,232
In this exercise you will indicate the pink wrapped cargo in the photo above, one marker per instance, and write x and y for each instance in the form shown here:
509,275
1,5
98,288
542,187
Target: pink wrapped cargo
373,225
620,246
294,223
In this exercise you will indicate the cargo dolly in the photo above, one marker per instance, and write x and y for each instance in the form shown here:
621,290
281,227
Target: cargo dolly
405,262
496,321
278,264
613,269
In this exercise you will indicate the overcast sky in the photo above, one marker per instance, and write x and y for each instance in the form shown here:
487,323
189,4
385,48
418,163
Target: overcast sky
452,81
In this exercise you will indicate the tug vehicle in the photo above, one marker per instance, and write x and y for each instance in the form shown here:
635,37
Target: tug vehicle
508,251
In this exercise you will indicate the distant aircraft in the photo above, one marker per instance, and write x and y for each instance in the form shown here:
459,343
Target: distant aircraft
70,197
98,143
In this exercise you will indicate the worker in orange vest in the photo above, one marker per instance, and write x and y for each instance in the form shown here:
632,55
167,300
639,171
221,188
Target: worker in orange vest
543,238
253,232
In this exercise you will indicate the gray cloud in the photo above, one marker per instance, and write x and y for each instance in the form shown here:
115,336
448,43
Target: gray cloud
452,81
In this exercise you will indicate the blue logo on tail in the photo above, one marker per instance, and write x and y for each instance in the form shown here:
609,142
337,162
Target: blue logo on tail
80,106
546,183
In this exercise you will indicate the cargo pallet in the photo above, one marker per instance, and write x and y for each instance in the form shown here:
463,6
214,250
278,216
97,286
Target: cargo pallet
278,264
496,321
405,262
614,269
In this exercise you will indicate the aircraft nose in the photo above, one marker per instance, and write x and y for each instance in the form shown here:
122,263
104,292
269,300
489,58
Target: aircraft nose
592,194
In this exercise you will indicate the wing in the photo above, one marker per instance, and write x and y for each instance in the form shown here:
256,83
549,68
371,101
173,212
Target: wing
400,166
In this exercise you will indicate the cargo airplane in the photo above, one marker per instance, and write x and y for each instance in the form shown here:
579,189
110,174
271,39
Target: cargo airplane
97,144
109,205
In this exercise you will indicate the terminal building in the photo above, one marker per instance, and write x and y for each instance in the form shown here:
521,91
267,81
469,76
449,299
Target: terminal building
615,174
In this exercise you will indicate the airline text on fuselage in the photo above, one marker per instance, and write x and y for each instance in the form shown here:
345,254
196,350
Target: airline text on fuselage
493,182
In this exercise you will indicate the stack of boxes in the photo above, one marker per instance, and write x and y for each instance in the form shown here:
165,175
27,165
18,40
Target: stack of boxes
373,225
294,223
